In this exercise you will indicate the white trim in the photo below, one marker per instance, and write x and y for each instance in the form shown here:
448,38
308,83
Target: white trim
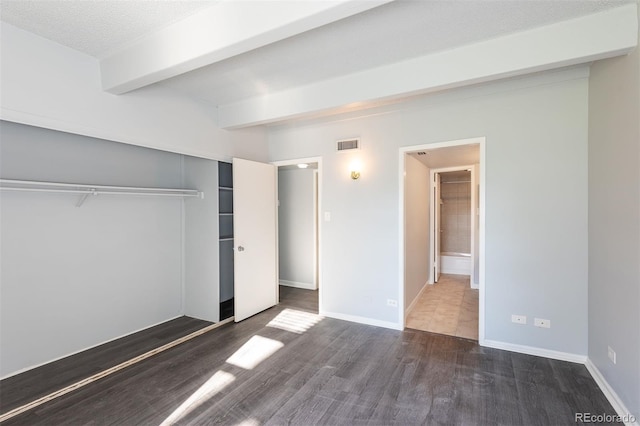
415,301
608,391
530,350
481,141
364,320
295,284
317,160
87,348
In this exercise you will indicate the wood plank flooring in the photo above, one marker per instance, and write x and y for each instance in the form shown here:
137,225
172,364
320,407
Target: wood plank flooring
290,366
33,384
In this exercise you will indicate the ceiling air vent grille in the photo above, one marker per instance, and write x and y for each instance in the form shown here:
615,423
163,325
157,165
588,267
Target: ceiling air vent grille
347,144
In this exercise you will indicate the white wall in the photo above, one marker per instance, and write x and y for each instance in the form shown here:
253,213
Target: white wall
75,277
48,85
536,202
296,228
614,224
416,243
201,247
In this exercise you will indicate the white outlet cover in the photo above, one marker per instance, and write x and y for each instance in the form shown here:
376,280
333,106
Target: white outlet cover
540,322
519,319
392,303
612,354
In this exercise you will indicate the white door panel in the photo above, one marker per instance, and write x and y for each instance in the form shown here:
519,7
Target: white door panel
255,235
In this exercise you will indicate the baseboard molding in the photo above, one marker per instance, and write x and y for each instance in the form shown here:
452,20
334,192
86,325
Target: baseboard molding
530,350
15,373
305,286
475,286
415,300
362,320
608,391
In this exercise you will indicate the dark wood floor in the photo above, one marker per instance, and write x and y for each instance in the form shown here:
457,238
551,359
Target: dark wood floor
333,373
33,384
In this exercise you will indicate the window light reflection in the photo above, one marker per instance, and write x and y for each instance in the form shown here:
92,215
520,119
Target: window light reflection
215,384
295,321
252,353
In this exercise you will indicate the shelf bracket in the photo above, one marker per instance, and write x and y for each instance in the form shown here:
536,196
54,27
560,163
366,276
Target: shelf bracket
84,196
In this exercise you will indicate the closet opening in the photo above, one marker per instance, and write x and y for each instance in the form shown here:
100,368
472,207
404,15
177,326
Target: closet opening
298,233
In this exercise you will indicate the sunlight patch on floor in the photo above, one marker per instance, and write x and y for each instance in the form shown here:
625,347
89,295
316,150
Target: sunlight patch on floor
249,422
252,353
215,384
295,321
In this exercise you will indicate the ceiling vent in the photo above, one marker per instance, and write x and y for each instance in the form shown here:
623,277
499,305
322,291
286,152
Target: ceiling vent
347,144
421,153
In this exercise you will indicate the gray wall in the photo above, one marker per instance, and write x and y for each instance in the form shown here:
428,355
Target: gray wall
75,277
536,202
296,227
201,258
614,223
416,216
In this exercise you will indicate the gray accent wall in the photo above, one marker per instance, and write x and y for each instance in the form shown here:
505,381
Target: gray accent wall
614,224
536,202
73,277
296,227
416,225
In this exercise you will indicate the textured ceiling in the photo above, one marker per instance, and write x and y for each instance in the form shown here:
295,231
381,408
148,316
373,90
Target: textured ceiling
394,32
96,27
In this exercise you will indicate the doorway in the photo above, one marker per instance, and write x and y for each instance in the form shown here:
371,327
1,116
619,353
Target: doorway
443,292
298,233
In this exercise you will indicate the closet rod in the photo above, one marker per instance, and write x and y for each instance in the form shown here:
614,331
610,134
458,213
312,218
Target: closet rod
84,189
458,181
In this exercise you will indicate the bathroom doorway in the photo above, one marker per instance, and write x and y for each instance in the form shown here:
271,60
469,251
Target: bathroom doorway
442,238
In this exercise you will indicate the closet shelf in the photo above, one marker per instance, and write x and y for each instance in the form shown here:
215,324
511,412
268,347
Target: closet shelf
85,190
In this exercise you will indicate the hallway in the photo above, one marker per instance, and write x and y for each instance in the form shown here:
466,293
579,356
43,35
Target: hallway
448,307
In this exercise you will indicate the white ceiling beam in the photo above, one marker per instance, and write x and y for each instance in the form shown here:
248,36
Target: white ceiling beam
581,40
227,29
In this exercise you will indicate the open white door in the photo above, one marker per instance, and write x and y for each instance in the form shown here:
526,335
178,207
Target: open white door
255,236
437,207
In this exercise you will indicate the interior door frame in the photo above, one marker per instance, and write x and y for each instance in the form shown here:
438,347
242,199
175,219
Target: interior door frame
433,235
318,235
403,151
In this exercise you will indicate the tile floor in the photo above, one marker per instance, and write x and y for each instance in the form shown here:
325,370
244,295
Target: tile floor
448,307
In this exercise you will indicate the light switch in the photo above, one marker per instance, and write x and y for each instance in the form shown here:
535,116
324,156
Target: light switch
327,216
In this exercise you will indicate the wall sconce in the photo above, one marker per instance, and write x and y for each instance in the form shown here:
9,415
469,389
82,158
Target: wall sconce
355,168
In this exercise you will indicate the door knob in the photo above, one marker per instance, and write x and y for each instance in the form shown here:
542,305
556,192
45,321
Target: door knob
240,248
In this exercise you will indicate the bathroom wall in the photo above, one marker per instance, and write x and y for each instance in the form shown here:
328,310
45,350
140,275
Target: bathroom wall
456,212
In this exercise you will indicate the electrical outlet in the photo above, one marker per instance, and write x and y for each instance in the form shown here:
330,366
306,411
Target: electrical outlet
392,303
612,354
544,323
519,319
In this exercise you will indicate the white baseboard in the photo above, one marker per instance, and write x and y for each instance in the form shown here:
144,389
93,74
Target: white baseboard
530,350
611,395
475,286
363,320
22,370
305,286
415,300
